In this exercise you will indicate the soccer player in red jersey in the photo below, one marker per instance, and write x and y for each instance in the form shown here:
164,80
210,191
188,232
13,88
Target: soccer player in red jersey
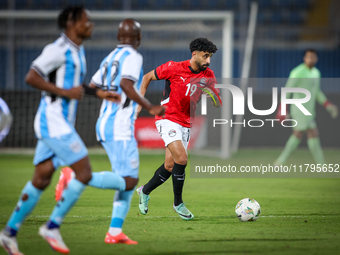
180,96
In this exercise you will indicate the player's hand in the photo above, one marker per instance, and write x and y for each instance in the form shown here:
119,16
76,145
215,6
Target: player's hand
157,110
108,95
332,109
74,93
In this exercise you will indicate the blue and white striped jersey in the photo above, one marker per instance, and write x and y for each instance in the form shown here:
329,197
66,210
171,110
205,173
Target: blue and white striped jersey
116,121
62,63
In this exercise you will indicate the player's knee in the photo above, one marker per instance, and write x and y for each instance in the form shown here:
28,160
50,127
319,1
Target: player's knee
41,183
182,160
129,187
298,134
311,133
169,166
84,176
130,183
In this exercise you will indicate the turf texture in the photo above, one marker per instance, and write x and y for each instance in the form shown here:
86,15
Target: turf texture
299,216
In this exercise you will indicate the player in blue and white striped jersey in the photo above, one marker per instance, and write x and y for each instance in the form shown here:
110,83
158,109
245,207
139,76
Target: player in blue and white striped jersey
59,72
121,72
62,63
116,121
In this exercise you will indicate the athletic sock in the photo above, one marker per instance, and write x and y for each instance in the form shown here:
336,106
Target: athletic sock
292,143
160,176
121,206
51,225
10,231
29,197
178,176
315,148
107,180
69,197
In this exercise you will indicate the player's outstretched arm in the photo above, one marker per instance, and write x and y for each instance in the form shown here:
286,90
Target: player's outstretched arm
127,87
331,108
36,81
147,78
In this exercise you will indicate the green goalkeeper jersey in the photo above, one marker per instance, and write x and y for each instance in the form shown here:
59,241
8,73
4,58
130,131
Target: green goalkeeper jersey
304,77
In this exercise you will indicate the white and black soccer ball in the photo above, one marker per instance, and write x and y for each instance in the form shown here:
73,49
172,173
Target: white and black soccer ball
248,209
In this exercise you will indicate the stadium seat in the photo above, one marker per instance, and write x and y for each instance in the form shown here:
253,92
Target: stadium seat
276,17
20,4
91,4
296,17
194,5
139,5
111,5
284,3
3,5
178,5
55,5
163,5
303,4
209,5
265,3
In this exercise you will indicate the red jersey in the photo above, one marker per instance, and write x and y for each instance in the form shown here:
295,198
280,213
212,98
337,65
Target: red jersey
182,90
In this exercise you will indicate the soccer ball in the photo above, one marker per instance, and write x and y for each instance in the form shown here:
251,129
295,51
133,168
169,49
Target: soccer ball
248,209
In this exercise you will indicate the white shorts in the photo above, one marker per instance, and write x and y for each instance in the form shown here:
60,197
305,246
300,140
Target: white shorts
171,131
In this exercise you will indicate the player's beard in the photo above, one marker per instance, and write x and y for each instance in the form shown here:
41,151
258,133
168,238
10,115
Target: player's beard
202,67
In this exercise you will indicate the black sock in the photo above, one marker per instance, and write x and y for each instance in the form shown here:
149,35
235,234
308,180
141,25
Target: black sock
178,176
160,176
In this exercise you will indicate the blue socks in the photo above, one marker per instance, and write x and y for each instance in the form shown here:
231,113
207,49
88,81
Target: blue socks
121,206
70,196
29,197
107,180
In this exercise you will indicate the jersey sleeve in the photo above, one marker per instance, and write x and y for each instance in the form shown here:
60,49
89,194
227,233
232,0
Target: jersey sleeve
97,79
165,71
131,67
212,81
320,96
51,58
293,79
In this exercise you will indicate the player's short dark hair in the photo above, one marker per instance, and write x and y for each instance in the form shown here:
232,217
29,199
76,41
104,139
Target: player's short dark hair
72,12
310,50
203,44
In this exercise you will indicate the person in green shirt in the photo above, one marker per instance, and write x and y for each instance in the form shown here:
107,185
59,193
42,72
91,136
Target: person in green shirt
306,76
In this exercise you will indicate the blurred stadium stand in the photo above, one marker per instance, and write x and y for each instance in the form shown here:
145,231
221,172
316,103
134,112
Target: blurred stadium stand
285,28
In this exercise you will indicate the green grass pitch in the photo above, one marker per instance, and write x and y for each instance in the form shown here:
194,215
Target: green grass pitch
299,216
